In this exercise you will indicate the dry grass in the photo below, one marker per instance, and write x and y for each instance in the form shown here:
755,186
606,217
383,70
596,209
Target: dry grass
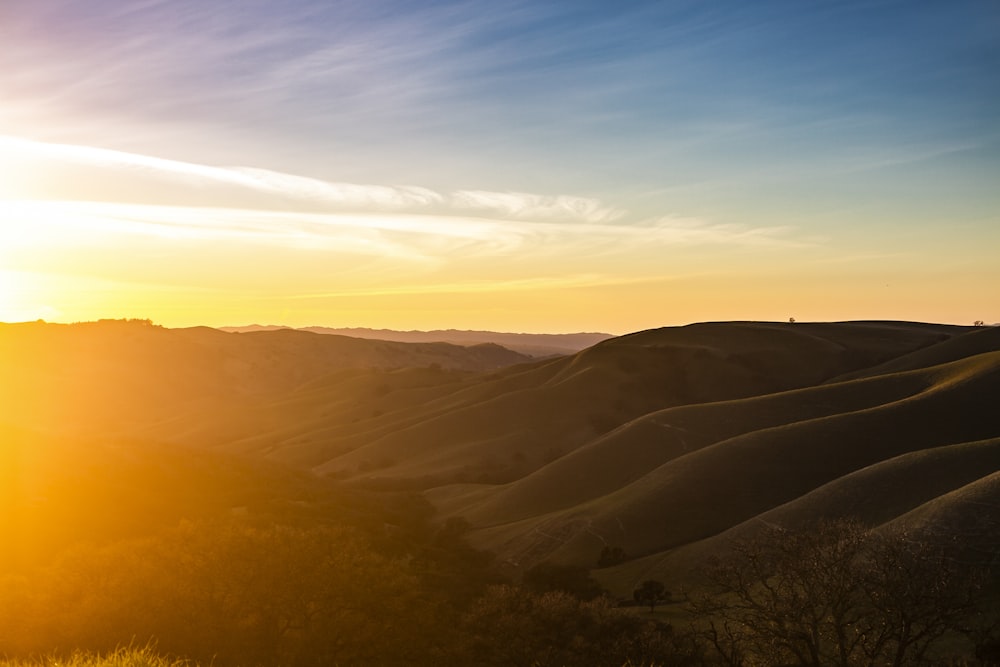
122,657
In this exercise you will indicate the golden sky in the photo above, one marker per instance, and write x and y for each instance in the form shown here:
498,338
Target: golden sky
467,165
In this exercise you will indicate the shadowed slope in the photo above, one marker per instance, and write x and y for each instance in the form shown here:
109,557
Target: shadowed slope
568,402
709,490
624,455
902,488
968,517
970,343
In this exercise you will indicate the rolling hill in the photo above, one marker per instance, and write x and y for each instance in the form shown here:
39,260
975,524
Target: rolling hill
535,345
126,376
668,443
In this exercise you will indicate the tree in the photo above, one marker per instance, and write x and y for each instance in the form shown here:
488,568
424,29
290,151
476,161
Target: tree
918,593
651,592
834,594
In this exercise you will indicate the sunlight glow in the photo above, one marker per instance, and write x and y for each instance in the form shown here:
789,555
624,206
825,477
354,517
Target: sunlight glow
19,299
87,233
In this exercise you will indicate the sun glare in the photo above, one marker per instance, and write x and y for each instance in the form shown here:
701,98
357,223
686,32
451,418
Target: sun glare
8,296
18,302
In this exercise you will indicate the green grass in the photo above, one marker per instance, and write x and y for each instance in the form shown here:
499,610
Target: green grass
122,657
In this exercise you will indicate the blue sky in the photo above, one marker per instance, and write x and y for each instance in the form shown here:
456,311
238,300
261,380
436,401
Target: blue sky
859,129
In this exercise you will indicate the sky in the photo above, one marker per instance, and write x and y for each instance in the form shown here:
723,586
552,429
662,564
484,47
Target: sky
516,166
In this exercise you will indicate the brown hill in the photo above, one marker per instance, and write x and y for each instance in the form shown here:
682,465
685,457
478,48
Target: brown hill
974,341
907,490
129,375
712,487
630,451
668,443
535,345
524,418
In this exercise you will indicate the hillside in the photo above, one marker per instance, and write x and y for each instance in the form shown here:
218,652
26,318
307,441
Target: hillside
527,417
740,478
535,345
127,376
668,443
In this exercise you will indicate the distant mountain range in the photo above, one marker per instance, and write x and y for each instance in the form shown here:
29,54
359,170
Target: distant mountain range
535,345
668,443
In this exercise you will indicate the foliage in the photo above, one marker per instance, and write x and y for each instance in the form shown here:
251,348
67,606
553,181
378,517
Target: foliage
447,566
513,626
227,562
235,593
651,592
546,577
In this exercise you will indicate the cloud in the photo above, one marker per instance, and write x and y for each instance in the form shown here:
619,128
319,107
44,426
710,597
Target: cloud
346,195
526,206
110,173
687,231
95,193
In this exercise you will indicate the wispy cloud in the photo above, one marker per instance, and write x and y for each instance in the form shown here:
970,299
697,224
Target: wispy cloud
526,206
686,231
345,195
211,202
110,174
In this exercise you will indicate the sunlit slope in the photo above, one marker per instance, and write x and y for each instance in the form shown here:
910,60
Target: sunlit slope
503,430
706,491
127,375
57,492
385,403
343,403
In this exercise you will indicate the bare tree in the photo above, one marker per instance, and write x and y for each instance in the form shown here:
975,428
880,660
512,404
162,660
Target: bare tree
834,594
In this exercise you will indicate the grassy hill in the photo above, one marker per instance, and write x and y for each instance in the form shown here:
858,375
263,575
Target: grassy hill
149,476
666,443
126,376
535,345
526,417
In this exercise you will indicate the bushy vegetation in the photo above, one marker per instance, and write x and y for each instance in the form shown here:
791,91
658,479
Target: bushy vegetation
236,593
222,562
512,626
